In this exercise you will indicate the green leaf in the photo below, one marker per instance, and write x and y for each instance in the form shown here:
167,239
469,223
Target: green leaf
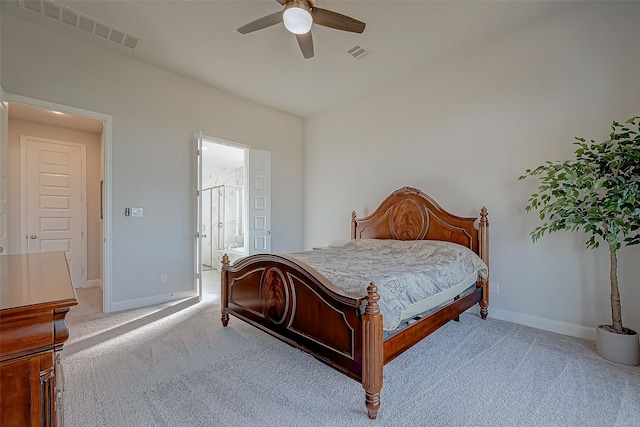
597,192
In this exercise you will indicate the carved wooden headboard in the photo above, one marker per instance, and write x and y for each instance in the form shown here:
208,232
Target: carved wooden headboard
409,214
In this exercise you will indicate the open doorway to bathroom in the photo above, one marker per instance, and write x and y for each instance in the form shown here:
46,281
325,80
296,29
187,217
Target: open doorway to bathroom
224,213
233,208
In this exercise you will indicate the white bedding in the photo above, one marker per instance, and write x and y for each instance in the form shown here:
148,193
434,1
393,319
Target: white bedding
412,276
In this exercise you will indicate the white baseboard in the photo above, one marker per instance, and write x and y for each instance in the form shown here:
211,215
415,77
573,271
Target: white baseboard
152,300
544,324
94,282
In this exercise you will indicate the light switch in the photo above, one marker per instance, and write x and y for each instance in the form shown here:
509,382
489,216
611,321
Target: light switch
137,212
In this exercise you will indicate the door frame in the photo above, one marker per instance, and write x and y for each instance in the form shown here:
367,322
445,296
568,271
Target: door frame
198,231
107,137
4,171
24,204
200,139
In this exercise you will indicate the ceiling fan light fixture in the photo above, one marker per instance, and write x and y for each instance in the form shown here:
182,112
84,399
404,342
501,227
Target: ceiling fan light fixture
297,17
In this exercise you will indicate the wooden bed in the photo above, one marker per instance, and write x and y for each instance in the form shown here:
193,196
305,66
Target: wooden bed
293,302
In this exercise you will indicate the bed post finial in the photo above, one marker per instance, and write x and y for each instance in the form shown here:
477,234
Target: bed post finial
483,215
372,357
224,296
353,225
484,254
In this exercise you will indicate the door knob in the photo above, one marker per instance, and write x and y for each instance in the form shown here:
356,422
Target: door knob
33,236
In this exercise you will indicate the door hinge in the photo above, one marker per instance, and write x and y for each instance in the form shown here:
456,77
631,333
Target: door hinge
197,193
197,275
197,235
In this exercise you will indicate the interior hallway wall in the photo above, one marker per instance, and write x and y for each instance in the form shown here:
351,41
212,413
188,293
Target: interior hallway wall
155,115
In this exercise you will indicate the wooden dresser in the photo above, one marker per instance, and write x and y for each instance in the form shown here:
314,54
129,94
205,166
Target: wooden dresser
35,296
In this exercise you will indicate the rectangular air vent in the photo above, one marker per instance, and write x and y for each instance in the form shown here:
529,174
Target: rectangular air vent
86,24
73,18
358,52
51,10
69,17
116,36
102,30
32,5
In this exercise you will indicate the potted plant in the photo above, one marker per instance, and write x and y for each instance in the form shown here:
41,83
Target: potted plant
598,192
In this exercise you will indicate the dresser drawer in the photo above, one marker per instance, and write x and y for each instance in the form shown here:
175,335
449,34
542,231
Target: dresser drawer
22,334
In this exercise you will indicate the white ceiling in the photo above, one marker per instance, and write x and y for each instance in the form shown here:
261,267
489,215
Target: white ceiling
198,39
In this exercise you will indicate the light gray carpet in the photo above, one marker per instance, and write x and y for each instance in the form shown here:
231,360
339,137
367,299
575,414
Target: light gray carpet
176,366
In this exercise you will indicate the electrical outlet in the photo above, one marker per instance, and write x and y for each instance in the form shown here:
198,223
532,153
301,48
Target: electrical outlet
163,278
137,212
495,287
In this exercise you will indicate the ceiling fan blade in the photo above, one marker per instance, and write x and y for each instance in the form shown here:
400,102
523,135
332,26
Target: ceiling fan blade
305,41
328,18
259,24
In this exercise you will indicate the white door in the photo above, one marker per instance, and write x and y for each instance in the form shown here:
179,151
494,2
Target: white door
53,184
4,153
259,189
198,230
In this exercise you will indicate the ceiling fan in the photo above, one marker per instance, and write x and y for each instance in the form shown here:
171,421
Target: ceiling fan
298,16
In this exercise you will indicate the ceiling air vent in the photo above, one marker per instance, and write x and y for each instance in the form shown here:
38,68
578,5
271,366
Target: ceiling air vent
86,24
358,52
102,30
75,19
69,17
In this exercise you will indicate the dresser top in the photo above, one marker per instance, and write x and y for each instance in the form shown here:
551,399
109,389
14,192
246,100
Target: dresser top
34,279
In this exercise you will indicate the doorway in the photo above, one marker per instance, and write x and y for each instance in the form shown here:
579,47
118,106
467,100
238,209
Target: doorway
67,147
224,210
234,207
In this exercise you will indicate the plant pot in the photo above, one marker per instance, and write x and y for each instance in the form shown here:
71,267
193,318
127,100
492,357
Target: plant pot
618,348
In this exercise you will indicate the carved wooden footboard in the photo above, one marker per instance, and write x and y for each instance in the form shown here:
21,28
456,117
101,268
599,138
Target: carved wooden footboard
293,302
290,301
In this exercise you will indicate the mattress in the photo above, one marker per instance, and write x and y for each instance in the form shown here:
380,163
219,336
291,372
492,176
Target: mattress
412,276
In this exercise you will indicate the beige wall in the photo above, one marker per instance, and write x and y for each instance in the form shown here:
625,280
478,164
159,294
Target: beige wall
93,143
155,115
464,129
